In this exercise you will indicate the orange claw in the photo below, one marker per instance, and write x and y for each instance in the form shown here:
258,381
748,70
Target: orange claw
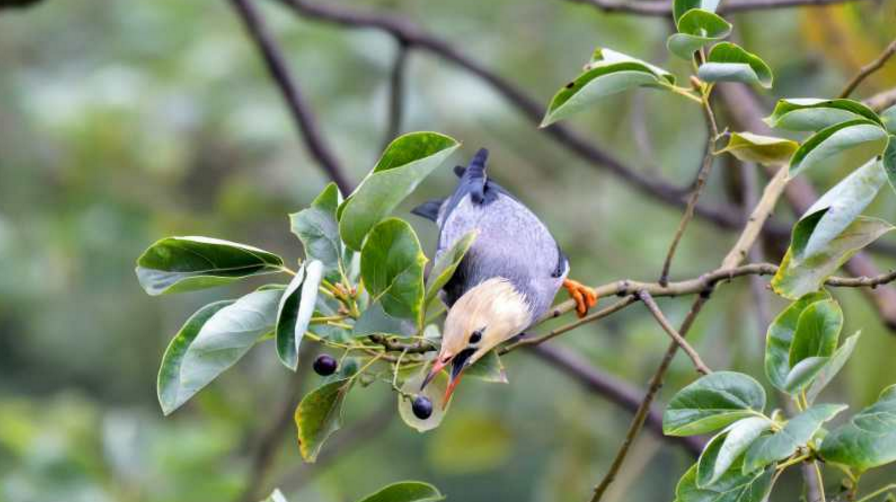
584,296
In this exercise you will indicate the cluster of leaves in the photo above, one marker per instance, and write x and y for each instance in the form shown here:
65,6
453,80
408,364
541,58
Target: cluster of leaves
751,448
360,290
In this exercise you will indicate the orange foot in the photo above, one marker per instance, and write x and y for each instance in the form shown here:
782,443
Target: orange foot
584,296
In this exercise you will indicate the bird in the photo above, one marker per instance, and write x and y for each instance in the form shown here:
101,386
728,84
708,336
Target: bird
507,279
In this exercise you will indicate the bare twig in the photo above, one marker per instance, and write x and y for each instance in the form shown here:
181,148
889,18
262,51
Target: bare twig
881,101
609,387
299,109
396,92
654,309
699,183
663,9
868,69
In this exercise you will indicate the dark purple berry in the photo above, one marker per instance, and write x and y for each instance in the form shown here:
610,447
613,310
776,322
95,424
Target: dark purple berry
422,407
325,365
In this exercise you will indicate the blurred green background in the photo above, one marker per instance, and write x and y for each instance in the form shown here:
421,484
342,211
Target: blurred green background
123,122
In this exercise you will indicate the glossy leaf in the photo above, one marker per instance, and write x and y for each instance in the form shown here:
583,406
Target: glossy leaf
725,448
811,114
832,367
178,264
434,391
803,373
797,277
863,138
888,117
712,402
405,163
406,491
728,62
817,331
767,150
318,230
784,443
841,205
225,338
780,337
488,368
609,72
733,486
443,268
868,439
168,383
888,161
696,28
375,320
679,7
319,415
392,268
295,311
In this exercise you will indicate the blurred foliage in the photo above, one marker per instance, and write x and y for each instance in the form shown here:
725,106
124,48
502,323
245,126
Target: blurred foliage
124,121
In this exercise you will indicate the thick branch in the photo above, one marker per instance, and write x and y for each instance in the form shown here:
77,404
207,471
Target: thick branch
298,107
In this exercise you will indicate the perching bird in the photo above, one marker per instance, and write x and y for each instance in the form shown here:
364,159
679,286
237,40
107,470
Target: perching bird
507,279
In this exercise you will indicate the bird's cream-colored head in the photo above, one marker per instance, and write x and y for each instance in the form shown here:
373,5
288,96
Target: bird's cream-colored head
485,316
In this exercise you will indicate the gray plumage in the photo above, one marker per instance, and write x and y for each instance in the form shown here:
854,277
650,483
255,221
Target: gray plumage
512,242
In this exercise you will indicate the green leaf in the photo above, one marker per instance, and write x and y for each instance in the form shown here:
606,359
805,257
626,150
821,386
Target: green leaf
319,415
817,331
780,337
405,163
888,117
797,277
726,447
696,28
811,114
833,366
445,265
275,496
728,62
712,402
784,443
864,139
489,368
434,391
178,264
840,206
225,338
869,439
392,268
803,373
168,383
406,491
733,486
679,7
375,321
318,230
295,311
608,72
767,150
889,161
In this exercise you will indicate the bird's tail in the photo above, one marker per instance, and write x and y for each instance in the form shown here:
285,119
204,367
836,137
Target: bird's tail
475,175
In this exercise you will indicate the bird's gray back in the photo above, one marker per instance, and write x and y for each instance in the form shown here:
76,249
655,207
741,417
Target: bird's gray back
512,243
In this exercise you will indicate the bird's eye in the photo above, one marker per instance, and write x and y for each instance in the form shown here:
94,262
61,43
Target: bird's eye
476,336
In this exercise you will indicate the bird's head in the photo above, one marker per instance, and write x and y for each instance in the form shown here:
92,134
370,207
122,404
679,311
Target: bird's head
482,318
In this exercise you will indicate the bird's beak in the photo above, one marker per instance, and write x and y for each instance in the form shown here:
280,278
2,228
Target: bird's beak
440,363
458,365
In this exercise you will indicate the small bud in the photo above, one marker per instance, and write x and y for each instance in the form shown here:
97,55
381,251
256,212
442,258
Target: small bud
325,365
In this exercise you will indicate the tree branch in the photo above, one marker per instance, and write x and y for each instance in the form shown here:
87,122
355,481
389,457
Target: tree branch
300,111
663,9
881,101
868,69
654,309
396,93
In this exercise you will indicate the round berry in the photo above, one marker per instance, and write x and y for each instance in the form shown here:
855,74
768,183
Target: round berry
325,365
422,407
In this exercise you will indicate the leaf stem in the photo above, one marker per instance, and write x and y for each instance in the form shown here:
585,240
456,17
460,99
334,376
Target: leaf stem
820,481
879,491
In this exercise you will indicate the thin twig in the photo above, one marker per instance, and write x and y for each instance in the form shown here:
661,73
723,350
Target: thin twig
299,109
699,183
654,309
396,92
868,69
656,8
